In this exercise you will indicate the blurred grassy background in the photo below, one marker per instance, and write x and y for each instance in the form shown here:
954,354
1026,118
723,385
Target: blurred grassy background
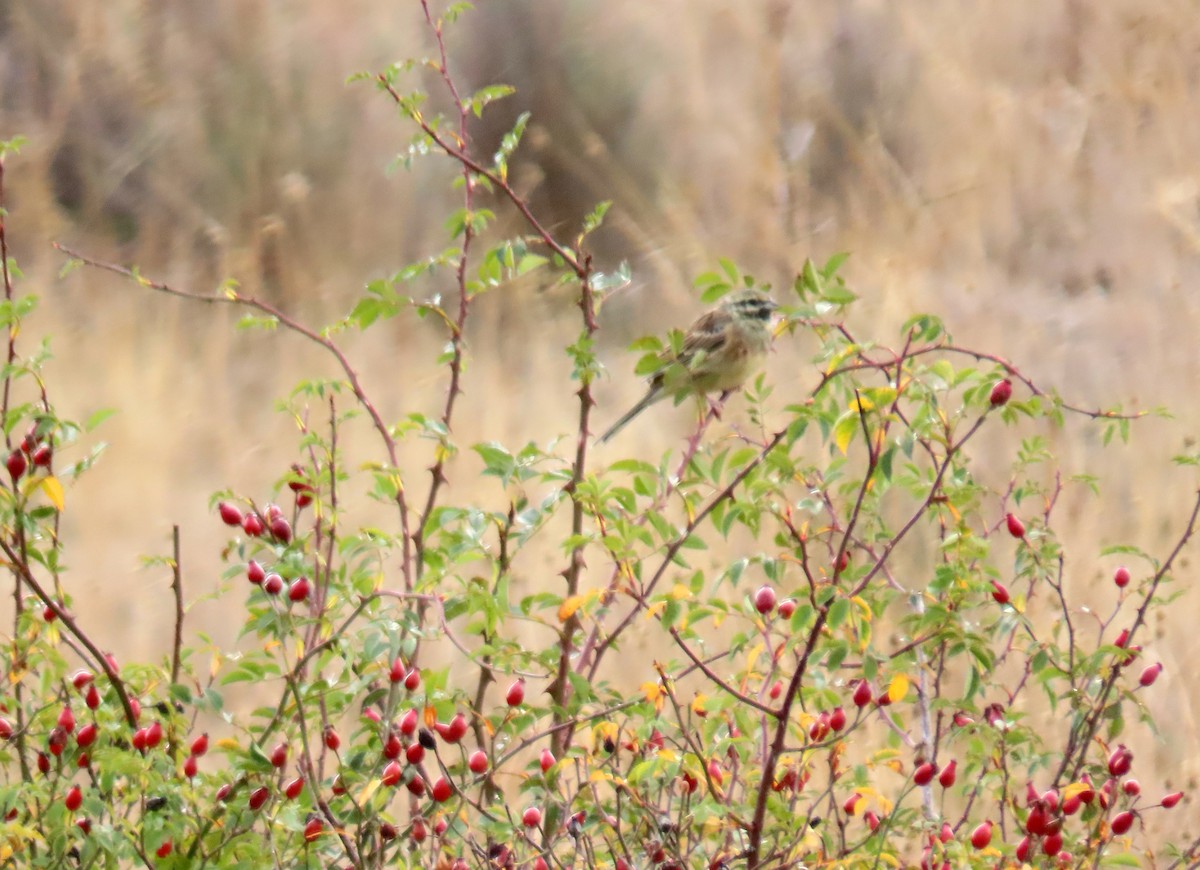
1027,171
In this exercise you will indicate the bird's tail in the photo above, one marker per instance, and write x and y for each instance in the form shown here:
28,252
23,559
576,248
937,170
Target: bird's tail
649,399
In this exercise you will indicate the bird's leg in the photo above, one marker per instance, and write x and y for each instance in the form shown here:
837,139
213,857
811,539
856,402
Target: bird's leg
716,407
709,410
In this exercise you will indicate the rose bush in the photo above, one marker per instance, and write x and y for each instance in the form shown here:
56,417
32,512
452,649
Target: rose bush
862,681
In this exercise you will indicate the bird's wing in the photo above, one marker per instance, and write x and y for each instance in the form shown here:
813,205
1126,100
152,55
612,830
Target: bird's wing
707,336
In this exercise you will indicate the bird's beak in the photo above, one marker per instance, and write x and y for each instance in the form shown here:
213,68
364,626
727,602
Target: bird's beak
780,322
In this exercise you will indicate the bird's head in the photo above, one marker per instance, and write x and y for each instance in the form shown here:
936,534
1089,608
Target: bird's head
750,305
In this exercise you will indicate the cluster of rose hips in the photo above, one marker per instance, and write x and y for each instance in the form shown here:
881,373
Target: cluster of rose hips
765,601
403,738
273,522
1047,812
1043,825
34,450
145,739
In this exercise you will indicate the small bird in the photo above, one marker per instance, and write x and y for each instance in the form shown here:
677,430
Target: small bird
720,350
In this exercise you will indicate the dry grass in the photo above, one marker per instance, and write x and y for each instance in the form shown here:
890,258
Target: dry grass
1026,170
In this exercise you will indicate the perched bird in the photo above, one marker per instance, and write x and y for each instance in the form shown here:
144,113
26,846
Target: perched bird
720,350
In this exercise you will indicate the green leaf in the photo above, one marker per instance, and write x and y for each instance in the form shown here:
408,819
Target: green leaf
497,461
509,143
366,312
97,418
833,264
482,97
529,262
593,221
838,611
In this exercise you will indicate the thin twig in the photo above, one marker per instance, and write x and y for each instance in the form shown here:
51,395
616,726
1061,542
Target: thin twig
1082,737
72,626
233,297
177,589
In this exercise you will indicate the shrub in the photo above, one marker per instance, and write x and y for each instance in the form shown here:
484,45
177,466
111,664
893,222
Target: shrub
887,667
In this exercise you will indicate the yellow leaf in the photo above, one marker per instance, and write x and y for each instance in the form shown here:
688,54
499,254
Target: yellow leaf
367,790
859,805
1075,789
655,609
884,804
680,592
228,743
54,491
605,732
698,704
844,431
838,358
567,609
898,688
652,691
752,656
599,775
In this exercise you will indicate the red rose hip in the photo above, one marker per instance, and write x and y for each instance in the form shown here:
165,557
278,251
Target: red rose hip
1000,593
764,599
298,591
982,835
1150,674
258,797
442,790
949,774
252,525
230,515
515,695
392,772
1122,822
923,775
862,694
1001,393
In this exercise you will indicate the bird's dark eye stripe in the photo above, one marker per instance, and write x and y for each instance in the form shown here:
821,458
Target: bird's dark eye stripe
757,308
